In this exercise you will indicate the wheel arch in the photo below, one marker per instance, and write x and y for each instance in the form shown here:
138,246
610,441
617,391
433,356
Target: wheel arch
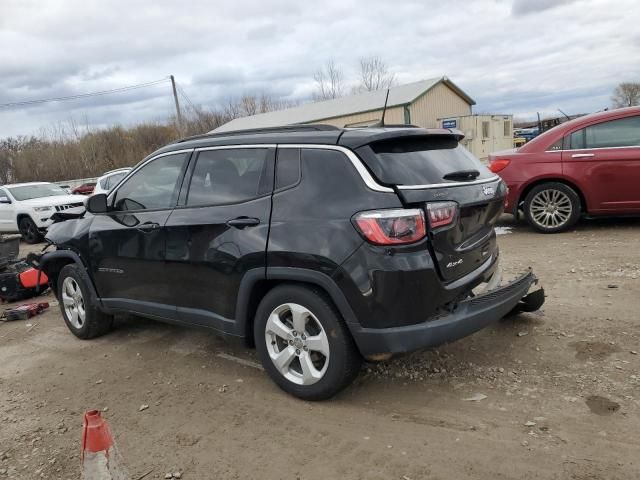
256,284
52,263
568,183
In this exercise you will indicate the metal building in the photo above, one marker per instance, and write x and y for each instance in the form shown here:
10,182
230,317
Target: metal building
420,103
483,133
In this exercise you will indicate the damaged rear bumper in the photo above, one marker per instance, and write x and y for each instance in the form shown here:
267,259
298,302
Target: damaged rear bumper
471,315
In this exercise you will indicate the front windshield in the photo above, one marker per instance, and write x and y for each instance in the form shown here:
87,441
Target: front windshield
27,192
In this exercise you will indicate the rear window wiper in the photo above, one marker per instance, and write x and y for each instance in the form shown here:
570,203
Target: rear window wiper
462,175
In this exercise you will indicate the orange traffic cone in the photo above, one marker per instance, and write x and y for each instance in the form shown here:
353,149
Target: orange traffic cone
100,457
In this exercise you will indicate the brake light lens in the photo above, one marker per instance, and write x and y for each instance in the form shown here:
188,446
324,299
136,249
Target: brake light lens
391,227
441,214
499,164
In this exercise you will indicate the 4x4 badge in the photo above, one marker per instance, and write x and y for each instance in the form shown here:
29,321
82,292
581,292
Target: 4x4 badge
488,190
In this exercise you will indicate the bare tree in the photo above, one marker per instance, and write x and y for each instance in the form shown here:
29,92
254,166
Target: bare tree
374,75
329,82
627,94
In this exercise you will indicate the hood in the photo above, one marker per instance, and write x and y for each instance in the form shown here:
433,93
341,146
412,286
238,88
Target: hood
54,200
69,232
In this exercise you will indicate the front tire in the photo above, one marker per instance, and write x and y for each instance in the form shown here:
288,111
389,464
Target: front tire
29,230
552,207
83,319
303,343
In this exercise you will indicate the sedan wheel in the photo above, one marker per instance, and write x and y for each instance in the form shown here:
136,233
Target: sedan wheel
73,302
297,344
551,209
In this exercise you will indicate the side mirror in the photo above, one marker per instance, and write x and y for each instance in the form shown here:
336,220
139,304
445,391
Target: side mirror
97,203
5,200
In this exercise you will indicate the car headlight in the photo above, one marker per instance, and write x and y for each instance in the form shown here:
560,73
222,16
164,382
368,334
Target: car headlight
41,209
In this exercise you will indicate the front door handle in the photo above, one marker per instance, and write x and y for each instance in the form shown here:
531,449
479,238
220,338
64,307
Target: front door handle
147,227
583,155
241,222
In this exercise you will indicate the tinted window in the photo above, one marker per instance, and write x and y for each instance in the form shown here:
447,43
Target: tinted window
576,139
113,180
616,133
153,186
229,176
422,161
287,167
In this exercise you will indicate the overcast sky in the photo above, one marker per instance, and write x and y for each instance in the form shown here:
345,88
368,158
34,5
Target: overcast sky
511,56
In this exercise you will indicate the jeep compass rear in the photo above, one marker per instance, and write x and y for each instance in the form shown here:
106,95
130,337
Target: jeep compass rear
319,245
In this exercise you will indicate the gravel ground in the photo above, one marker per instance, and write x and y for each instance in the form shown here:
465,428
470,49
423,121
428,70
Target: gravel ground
552,395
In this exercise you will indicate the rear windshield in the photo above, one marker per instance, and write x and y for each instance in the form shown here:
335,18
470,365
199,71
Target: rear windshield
423,161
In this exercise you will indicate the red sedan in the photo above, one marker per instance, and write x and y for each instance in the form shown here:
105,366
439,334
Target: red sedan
84,189
589,166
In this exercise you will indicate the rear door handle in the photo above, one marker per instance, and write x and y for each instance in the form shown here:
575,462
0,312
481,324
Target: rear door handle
583,155
148,227
241,222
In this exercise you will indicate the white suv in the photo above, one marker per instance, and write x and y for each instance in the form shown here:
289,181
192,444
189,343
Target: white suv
27,208
110,179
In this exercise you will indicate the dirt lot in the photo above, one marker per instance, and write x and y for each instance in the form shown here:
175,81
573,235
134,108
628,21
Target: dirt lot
562,390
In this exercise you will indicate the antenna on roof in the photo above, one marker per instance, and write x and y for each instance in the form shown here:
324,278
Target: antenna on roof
384,110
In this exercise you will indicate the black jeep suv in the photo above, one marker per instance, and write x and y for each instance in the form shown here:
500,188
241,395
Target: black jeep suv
318,245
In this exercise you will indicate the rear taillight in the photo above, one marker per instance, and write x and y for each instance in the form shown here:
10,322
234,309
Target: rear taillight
499,164
441,214
391,227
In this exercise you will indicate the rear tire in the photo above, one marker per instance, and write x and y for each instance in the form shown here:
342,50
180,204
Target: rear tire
303,343
552,207
84,319
29,230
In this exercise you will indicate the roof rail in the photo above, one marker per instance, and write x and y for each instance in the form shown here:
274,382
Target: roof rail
283,128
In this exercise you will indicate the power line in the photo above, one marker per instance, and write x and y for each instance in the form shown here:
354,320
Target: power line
186,97
82,95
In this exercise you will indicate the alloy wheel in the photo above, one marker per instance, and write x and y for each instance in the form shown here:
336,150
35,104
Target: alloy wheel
297,344
551,208
73,302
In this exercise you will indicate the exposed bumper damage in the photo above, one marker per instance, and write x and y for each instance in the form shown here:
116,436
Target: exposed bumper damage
524,294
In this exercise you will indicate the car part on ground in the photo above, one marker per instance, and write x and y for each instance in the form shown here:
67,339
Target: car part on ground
244,235
20,280
24,312
9,249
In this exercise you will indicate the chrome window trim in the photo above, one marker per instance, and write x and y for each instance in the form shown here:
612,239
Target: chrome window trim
369,181
448,185
595,148
135,169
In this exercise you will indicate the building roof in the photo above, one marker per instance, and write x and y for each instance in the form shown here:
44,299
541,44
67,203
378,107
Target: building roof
339,107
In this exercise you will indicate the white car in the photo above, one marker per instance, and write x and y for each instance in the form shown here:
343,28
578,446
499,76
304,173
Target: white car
110,179
27,208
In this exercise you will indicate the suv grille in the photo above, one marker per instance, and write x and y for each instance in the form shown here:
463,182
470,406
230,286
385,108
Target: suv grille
61,208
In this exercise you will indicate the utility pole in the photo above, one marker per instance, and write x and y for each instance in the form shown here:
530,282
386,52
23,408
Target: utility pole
175,98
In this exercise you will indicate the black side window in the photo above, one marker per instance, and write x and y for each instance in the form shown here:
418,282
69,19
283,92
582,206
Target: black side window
153,186
287,167
624,132
230,176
